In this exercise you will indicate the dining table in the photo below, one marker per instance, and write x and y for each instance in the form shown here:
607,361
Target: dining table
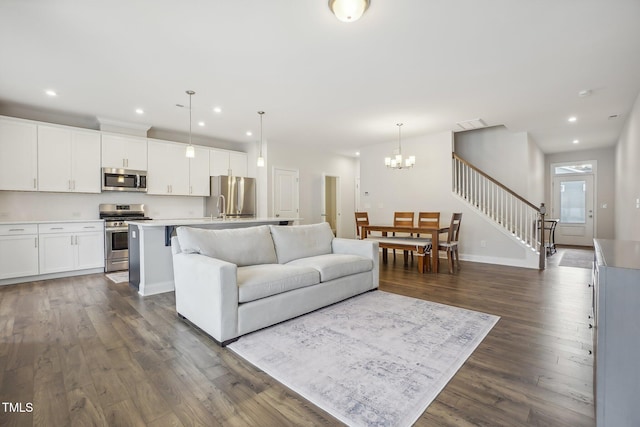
432,230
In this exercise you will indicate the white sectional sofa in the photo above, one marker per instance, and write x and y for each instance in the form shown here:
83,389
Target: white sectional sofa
234,281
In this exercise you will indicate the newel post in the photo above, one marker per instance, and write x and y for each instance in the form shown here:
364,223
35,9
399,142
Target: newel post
543,250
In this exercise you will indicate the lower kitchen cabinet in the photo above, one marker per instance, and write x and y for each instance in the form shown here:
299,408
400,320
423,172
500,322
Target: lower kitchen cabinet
18,250
70,246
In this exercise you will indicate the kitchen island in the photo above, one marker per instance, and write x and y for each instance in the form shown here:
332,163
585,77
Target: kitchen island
150,259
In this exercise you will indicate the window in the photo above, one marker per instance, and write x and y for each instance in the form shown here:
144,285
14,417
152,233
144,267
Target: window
565,169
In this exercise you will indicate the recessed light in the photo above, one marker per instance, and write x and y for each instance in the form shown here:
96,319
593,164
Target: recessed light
51,92
357,153
139,111
217,110
583,93
572,119
575,141
249,133
200,123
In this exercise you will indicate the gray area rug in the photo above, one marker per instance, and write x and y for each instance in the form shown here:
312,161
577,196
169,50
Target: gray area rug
378,359
577,258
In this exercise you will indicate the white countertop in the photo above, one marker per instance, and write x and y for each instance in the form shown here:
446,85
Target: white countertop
207,221
58,221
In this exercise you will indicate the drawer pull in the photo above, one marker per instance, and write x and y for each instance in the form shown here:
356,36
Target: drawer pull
56,228
16,229
89,226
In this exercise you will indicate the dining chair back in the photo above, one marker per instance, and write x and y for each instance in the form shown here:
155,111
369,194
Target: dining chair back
428,219
362,218
403,219
451,245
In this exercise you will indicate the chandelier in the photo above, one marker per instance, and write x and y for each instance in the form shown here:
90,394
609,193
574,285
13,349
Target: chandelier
397,161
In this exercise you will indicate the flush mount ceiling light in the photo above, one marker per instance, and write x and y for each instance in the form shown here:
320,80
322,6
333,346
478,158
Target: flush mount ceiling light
348,10
397,162
191,151
260,161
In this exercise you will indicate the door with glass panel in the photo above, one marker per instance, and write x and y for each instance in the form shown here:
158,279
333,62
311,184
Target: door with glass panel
573,207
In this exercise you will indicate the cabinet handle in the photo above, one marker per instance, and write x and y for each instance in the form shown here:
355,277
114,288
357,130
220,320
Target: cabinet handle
35,183
191,189
74,184
89,226
71,240
56,228
16,229
70,185
35,239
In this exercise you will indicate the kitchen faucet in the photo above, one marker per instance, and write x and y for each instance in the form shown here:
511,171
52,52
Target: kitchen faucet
223,210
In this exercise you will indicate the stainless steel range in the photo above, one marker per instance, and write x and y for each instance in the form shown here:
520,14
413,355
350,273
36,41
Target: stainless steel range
116,228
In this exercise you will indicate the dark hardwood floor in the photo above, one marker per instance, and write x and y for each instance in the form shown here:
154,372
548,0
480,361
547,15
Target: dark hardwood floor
85,351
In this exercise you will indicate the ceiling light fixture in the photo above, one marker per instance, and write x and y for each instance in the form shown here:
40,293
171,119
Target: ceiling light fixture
575,141
260,161
572,119
398,162
217,110
51,92
348,10
191,151
139,111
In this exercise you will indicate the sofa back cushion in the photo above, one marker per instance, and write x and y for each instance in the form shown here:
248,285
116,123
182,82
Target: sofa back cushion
301,241
240,246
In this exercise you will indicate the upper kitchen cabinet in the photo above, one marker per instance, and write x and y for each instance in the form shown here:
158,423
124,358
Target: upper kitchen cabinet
199,173
224,162
18,155
124,152
168,169
68,160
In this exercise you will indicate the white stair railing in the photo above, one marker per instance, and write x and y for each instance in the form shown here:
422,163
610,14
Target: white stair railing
502,205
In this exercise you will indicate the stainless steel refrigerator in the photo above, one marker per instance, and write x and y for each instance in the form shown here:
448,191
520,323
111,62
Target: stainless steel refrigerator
239,196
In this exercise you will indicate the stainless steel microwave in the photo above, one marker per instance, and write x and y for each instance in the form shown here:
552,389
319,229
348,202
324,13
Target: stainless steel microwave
123,180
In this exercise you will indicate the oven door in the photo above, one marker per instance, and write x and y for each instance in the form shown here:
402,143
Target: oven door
116,248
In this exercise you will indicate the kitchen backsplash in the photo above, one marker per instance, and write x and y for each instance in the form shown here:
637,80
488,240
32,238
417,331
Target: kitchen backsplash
41,206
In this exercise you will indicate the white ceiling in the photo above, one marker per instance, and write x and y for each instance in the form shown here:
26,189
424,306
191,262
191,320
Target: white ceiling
427,63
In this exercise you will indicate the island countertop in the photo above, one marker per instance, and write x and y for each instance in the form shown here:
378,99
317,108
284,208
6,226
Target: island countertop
209,222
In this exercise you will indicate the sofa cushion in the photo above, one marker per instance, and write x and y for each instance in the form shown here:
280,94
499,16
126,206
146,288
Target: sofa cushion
261,281
240,246
333,266
301,241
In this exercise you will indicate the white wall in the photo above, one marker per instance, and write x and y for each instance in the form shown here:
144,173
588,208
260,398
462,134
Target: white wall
427,187
311,164
503,155
627,182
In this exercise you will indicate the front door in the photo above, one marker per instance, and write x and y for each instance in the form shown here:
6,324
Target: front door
573,207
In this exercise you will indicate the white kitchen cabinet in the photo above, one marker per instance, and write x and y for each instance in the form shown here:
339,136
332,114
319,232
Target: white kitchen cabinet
225,162
70,246
68,160
199,173
124,152
18,155
168,171
616,291
18,250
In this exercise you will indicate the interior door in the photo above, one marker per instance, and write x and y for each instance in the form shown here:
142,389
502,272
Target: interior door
285,193
330,196
573,207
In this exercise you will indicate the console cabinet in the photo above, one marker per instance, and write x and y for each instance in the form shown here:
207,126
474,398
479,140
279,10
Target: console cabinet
616,301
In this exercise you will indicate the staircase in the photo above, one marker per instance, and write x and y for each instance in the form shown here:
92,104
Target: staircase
512,213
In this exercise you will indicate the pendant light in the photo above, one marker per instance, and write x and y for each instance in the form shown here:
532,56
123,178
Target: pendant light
260,162
348,10
397,162
191,151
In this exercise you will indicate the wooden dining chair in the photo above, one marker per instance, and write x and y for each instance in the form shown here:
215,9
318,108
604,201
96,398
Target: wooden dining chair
428,219
403,219
451,245
362,218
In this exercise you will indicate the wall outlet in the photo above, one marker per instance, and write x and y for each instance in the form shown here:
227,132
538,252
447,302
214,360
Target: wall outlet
483,243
